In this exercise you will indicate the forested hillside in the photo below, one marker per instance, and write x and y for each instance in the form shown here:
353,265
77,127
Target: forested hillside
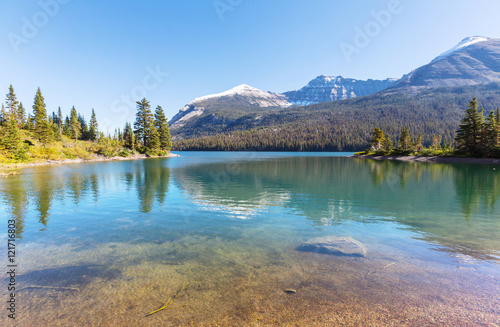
344,125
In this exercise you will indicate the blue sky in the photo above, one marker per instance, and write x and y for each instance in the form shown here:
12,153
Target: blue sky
101,54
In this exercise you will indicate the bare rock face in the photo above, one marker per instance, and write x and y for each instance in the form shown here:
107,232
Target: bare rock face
331,88
341,246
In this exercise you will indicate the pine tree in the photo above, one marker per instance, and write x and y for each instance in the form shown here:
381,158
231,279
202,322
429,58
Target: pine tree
12,106
161,124
436,142
377,139
419,143
41,125
3,115
10,139
75,126
387,144
30,123
128,137
60,120
470,133
405,140
67,127
493,132
93,127
145,130
22,115
84,129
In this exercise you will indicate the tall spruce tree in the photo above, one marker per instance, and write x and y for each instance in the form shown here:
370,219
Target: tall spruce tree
493,132
405,140
128,137
10,139
419,143
161,124
3,115
60,120
75,126
22,115
470,134
41,125
144,128
13,107
378,138
93,127
84,129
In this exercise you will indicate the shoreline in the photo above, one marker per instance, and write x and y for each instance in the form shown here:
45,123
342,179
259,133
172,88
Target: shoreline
434,159
10,167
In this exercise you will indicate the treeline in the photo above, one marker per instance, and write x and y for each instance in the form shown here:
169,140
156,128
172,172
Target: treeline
28,136
308,136
477,136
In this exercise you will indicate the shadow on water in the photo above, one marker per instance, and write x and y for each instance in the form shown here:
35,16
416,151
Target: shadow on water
68,276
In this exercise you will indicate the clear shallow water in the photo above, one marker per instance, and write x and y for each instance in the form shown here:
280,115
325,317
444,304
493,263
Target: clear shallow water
106,243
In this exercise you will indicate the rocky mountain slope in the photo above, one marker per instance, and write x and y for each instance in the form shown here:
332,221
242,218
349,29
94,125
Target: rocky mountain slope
330,88
474,61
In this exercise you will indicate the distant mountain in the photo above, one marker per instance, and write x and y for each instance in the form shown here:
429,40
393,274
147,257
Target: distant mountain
472,68
242,96
474,61
330,88
245,98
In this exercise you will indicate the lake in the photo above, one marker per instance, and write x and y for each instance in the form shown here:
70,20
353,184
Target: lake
212,238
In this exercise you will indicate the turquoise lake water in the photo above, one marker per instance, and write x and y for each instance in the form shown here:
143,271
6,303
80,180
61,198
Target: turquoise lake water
215,235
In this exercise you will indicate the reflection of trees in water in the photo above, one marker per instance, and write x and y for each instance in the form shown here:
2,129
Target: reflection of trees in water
332,190
48,184
476,184
151,180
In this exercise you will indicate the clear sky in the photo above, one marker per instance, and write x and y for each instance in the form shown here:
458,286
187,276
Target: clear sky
101,54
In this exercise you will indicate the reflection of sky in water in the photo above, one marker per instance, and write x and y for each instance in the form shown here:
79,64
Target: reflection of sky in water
219,218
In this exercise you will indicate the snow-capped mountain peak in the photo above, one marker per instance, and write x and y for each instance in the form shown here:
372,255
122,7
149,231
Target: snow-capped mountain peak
243,89
468,41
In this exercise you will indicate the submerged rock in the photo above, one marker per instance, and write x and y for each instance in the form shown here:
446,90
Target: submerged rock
344,246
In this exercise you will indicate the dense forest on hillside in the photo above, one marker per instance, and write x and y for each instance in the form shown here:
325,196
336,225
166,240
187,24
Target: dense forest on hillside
345,125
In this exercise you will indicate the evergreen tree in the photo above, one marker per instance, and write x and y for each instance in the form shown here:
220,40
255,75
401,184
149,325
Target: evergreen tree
21,114
60,120
10,139
67,127
84,129
419,143
12,106
493,132
470,134
128,137
3,115
436,142
41,125
75,126
161,124
145,130
93,127
405,140
30,123
377,139
387,144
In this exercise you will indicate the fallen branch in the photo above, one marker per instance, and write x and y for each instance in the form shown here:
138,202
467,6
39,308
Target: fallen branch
169,302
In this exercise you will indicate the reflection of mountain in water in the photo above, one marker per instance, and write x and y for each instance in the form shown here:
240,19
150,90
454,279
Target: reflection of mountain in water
452,205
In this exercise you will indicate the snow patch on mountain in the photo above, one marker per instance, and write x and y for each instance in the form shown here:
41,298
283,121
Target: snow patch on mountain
468,41
256,96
